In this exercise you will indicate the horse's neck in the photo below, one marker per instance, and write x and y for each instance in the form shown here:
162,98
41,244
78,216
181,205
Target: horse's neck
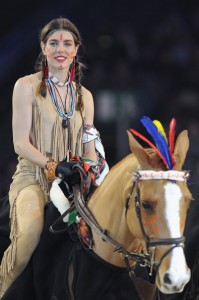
108,206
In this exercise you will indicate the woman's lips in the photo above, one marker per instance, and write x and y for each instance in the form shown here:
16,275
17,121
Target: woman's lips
60,58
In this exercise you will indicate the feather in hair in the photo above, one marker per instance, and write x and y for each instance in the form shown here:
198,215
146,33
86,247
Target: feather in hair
158,139
160,128
172,127
136,133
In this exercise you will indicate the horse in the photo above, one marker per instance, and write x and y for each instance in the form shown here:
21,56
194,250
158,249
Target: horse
136,219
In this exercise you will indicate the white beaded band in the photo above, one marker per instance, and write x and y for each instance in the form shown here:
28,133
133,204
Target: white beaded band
158,175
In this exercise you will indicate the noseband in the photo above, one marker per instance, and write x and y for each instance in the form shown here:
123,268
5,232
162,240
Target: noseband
172,176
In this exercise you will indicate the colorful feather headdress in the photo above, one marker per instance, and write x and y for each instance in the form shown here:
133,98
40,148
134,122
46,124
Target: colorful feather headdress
164,147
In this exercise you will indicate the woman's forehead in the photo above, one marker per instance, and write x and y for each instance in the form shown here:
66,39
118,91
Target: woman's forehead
61,35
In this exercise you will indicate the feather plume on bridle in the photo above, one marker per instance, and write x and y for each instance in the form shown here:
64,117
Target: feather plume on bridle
164,147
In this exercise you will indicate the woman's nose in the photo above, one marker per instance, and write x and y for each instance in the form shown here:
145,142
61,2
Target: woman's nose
60,49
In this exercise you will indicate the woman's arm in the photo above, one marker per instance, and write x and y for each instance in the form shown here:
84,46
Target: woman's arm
89,148
22,122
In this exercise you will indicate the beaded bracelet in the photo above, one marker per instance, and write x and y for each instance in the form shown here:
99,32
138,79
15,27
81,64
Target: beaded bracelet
50,168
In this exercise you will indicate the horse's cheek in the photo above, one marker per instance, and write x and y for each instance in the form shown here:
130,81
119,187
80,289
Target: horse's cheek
133,223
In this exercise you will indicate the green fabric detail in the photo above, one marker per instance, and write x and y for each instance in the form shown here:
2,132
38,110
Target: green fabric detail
72,217
89,161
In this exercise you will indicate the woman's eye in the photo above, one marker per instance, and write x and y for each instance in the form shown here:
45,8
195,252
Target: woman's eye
53,44
147,205
68,44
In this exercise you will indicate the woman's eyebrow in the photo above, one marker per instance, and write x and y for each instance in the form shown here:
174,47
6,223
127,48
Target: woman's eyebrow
56,40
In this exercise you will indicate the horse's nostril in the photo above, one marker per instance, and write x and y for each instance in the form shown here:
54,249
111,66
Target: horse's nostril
167,279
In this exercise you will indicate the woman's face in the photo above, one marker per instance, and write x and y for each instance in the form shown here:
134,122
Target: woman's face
60,50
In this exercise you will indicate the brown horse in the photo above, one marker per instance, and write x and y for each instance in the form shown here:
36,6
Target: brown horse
137,216
140,208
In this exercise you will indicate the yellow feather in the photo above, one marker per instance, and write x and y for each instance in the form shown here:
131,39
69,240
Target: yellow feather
160,128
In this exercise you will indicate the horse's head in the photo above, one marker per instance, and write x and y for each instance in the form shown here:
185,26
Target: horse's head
159,201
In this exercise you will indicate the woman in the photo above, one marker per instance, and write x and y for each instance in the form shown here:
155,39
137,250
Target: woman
52,115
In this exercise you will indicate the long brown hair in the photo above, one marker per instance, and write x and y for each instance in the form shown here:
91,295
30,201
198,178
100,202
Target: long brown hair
46,32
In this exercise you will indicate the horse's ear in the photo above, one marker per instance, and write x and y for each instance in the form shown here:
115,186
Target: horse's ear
141,155
180,151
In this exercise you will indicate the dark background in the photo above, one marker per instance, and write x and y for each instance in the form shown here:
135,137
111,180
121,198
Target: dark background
142,58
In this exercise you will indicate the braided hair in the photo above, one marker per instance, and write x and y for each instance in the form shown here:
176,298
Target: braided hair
41,63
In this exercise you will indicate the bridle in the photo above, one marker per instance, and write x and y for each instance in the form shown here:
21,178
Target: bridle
143,259
151,244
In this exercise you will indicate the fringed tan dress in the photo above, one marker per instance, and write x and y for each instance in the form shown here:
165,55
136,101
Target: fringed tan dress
51,139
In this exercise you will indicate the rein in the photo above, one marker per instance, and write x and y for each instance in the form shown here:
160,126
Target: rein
91,221
79,202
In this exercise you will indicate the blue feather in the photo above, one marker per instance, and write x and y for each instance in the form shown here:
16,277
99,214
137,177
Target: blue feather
159,139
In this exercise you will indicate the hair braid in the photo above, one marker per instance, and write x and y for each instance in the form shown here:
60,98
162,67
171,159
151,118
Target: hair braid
44,69
78,84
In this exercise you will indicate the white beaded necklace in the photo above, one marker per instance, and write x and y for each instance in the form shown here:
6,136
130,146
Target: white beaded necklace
56,81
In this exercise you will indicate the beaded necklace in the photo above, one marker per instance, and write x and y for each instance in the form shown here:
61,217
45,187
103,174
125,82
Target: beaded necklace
62,112
56,81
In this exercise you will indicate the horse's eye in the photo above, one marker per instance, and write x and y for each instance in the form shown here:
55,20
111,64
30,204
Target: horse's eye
147,205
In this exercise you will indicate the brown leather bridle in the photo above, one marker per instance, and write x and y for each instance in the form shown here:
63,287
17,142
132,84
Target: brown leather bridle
152,243
143,259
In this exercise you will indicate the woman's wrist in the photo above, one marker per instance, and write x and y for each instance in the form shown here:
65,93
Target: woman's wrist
50,168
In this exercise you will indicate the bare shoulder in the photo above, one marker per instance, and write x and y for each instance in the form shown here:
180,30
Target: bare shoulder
24,83
23,88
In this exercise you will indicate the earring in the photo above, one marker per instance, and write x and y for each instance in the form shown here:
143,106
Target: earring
45,68
72,71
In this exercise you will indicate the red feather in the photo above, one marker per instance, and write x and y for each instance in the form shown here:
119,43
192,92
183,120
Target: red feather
150,144
172,127
45,68
72,73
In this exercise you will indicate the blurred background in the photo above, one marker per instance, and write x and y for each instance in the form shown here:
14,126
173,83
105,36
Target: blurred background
141,57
